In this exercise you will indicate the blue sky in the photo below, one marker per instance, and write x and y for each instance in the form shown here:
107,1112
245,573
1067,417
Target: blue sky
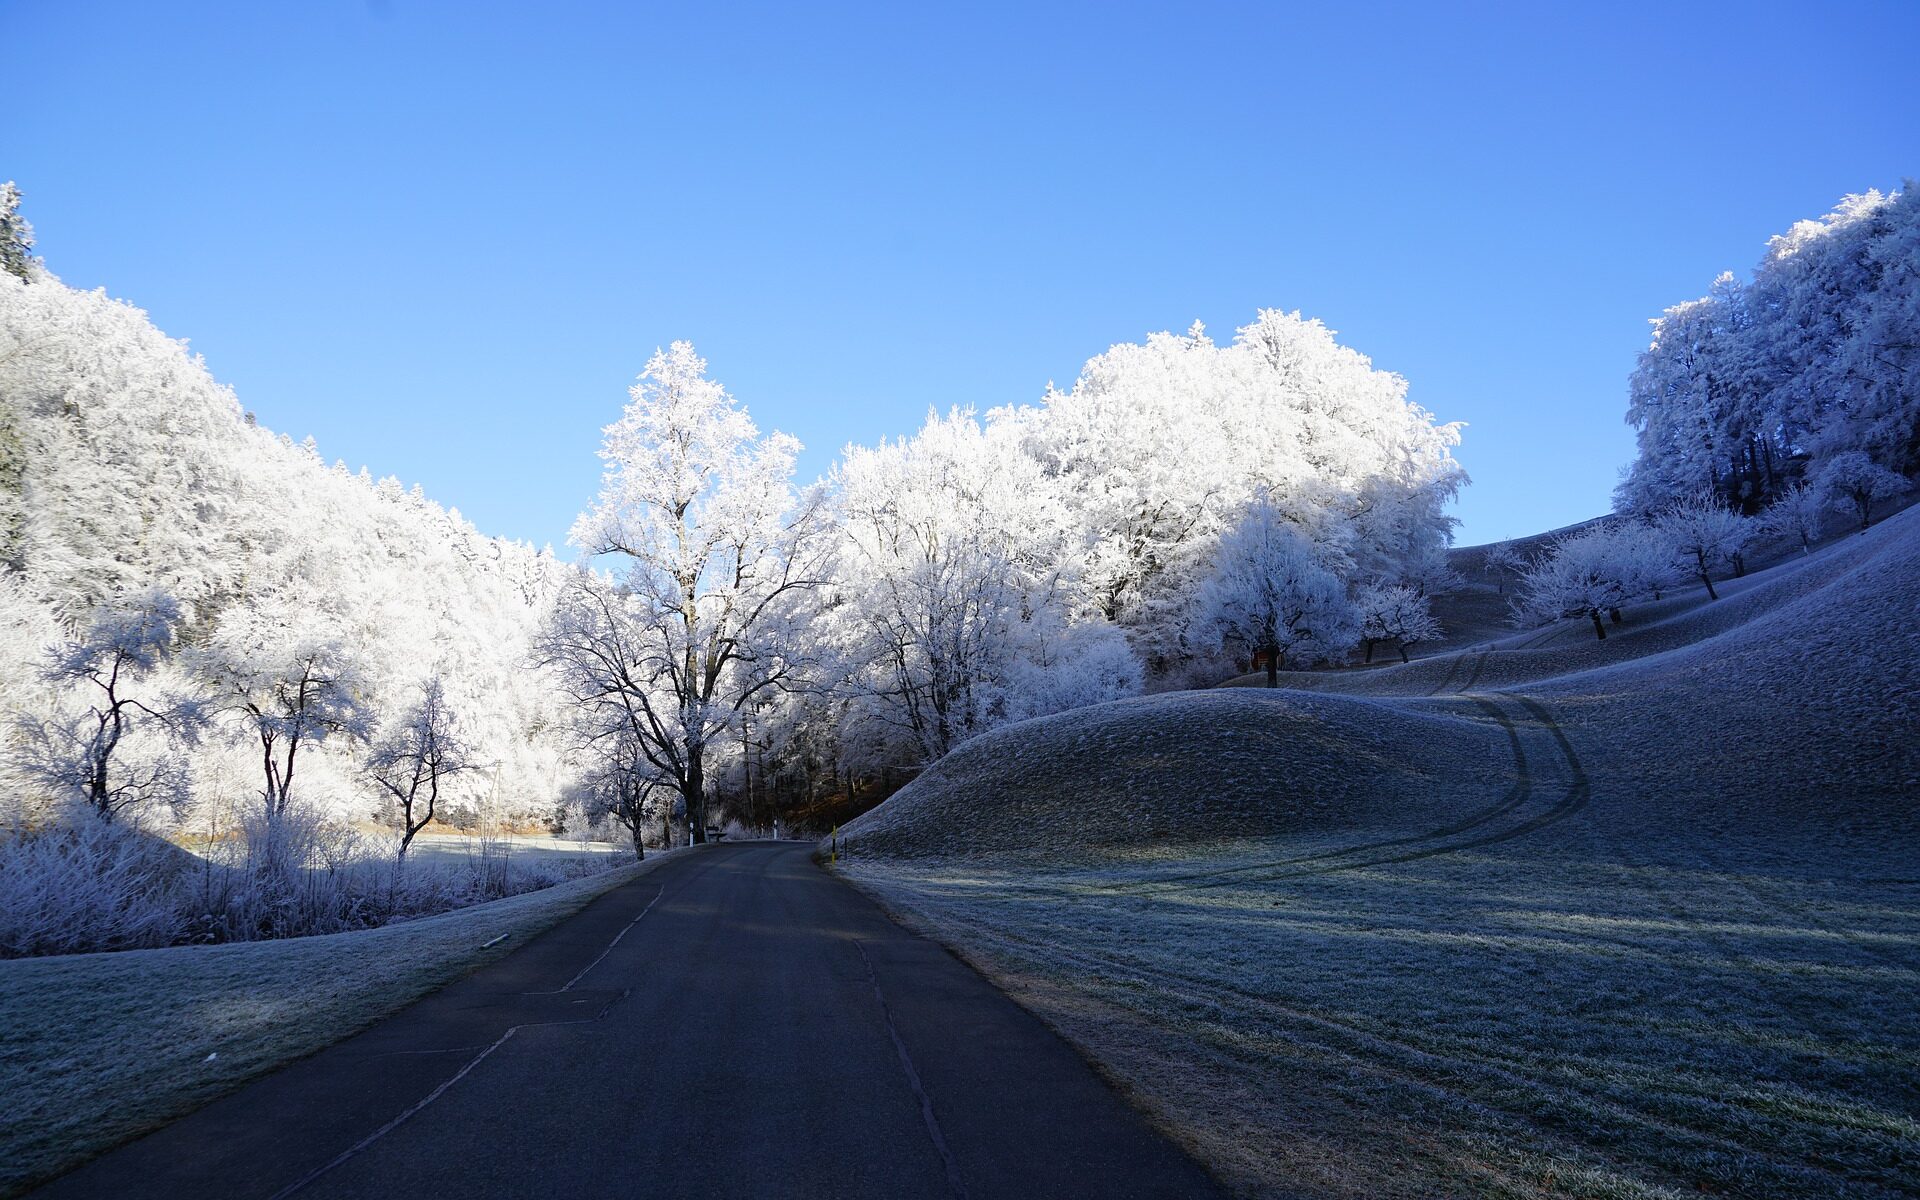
442,238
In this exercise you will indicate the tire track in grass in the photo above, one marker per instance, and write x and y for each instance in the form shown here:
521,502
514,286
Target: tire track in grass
1474,678
1690,1114
1685,1111
1453,668
1578,794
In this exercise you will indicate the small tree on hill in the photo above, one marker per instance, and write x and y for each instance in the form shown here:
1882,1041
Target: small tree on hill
1269,592
1799,513
1702,534
1502,562
1397,614
1852,481
1593,573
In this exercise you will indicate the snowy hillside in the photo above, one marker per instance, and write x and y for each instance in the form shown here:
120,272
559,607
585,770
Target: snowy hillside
128,469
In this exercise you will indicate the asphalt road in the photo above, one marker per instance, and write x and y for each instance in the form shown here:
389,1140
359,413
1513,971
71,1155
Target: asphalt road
734,1023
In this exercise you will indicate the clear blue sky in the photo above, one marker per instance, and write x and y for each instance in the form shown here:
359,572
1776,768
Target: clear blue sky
442,238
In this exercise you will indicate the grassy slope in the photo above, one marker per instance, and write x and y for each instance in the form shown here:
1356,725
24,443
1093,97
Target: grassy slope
96,1049
1667,943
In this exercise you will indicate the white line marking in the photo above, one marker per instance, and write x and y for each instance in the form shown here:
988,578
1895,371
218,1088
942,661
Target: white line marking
462,1073
615,942
956,1186
394,1124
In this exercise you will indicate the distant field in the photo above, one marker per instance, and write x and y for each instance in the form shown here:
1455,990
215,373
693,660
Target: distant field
538,848
1632,920
96,1049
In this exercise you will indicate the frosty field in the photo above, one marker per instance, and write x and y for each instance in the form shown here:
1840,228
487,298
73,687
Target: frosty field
1633,918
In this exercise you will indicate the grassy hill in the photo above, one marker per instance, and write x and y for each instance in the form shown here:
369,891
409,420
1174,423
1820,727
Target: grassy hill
1535,916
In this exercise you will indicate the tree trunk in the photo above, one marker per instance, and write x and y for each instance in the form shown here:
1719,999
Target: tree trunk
1599,630
1708,580
693,791
1273,669
1403,653
1613,614
639,843
1369,642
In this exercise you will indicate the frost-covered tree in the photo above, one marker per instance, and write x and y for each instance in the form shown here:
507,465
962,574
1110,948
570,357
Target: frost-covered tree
1158,447
1756,385
1852,482
285,697
1503,563
1593,573
718,556
1271,592
1395,613
125,467
1703,534
16,236
621,784
954,601
407,764
112,664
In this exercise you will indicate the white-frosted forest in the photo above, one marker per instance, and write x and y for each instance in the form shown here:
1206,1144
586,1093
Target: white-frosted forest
214,642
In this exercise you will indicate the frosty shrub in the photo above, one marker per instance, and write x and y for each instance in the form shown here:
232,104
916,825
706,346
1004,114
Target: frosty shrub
90,885
93,885
297,873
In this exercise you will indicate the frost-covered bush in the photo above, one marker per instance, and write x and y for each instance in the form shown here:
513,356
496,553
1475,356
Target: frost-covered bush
87,885
1086,664
299,873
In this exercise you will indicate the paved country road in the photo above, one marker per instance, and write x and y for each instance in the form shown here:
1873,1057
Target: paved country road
735,1023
